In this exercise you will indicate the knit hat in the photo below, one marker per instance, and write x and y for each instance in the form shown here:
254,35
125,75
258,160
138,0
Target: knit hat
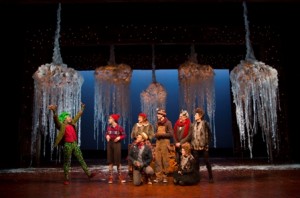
144,135
184,113
143,115
161,112
115,117
199,111
63,116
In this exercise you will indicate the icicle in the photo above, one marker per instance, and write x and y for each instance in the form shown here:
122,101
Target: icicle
255,94
196,88
112,83
154,96
56,58
57,84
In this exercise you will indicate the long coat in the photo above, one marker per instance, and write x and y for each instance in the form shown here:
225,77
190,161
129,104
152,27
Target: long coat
62,127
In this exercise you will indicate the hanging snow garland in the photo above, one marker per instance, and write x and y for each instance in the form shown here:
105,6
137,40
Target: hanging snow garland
112,95
197,89
54,83
255,95
154,96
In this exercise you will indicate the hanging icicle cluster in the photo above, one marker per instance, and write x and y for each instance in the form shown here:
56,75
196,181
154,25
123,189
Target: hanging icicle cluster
57,84
154,96
255,94
197,89
112,95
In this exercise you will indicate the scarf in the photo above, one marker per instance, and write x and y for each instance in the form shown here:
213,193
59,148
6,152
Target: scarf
140,144
162,122
185,124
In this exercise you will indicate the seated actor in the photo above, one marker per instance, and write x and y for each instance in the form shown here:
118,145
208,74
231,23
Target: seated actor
140,156
187,173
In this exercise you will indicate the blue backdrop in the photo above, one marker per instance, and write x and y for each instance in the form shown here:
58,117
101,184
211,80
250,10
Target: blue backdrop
169,79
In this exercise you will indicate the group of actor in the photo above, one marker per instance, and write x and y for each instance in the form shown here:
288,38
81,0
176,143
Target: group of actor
146,163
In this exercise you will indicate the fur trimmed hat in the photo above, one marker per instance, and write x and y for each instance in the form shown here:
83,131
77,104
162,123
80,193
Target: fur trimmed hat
161,112
115,117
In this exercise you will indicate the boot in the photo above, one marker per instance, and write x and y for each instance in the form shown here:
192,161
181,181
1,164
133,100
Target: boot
130,176
175,181
92,175
210,175
121,179
146,179
165,179
110,173
110,179
149,181
66,181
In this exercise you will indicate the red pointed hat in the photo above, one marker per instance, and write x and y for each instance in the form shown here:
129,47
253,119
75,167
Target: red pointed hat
143,115
115,117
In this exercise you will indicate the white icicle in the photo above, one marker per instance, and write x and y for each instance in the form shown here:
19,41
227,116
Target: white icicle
254,88
255,94
197,89
112,95
56,84
154,96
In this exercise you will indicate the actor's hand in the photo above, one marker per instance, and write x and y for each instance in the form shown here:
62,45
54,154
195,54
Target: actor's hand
107,138
52,107
117,139
137,163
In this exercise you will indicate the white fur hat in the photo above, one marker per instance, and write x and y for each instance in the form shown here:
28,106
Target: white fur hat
184,113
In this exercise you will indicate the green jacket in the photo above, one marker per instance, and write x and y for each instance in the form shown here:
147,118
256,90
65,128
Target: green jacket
62,126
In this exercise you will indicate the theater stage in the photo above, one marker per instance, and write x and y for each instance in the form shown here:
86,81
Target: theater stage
232,178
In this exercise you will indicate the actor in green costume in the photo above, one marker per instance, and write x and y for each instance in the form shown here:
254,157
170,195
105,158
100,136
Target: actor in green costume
67,136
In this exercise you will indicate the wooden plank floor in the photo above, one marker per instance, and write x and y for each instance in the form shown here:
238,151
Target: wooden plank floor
232,179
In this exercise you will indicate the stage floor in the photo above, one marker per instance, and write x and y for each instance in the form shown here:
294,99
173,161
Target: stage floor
232,178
